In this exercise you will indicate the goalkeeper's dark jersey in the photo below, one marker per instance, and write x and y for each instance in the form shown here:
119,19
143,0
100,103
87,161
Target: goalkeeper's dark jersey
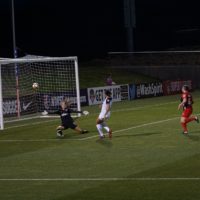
65,116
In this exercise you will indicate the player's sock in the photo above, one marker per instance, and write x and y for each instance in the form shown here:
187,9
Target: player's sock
104,125
99,128
106,128
184,125
109,131
196,119
190,119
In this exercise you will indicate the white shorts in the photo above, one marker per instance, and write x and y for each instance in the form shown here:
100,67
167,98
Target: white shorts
102,114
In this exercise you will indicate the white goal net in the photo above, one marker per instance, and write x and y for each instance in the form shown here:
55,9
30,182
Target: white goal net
57,79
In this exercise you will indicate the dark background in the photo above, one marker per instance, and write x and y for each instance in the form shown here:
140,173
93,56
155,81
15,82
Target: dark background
91,28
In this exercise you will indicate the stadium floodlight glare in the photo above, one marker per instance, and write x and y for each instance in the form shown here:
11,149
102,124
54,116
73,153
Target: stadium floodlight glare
57,79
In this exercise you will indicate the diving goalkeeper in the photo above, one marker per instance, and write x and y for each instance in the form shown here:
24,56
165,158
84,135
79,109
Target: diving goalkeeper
66,119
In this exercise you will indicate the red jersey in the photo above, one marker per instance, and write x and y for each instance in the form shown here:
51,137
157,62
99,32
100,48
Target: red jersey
189,101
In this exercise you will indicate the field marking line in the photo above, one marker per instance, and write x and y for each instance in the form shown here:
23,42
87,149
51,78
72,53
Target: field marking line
90,137
134,127
105,179
138,126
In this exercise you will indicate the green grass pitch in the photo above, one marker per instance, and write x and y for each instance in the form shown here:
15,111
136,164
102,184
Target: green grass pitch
147,159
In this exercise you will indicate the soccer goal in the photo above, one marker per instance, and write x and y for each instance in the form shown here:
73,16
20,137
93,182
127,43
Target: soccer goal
29,86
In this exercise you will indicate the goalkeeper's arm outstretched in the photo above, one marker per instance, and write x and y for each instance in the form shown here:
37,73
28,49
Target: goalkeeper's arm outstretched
66,120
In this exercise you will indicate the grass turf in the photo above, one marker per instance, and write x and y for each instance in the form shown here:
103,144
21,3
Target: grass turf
147,143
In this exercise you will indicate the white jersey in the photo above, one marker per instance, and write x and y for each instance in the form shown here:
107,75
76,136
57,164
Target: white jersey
108,100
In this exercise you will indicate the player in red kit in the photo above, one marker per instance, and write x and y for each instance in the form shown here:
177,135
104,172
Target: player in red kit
186,104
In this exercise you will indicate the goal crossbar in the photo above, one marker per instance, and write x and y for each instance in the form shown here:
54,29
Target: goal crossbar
4,61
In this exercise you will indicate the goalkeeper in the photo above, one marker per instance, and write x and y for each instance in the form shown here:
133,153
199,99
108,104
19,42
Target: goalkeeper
66,119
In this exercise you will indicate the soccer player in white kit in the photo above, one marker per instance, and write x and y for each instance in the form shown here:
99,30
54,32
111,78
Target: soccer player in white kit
104,116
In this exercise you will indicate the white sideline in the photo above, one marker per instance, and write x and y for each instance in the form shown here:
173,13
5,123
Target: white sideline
94,136
138,126
105,179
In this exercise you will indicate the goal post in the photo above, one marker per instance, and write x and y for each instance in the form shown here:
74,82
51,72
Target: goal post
77,85
57,77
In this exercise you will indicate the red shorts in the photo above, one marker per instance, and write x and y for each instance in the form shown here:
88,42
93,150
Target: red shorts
187,112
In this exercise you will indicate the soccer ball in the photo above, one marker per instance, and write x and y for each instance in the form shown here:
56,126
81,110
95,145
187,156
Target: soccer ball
35,85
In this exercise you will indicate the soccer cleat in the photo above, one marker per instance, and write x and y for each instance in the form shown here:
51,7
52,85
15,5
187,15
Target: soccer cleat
110,134
59,134
84,131
197,119
185,133
101,137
